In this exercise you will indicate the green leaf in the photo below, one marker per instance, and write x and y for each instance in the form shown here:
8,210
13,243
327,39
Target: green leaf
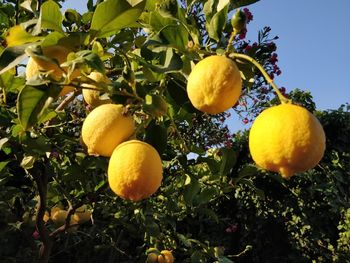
135,2
206,195
240,3
217,24
50,16
222,4
191,190
32,102
156,135
248,73
229,159
112,15
176,91
12,56
88,57
3,165
170,61
170,29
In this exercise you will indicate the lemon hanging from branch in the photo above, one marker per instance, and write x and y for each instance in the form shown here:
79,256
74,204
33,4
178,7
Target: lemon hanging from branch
49,61
135,170
287,139
214,84
105,128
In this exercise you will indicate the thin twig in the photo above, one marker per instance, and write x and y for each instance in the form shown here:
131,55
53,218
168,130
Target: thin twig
68,99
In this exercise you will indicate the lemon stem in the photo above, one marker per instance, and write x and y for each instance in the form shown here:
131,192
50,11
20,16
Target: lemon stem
281,97
230,41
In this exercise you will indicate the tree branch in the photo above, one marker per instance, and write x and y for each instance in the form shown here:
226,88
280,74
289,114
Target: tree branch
41,180
68,99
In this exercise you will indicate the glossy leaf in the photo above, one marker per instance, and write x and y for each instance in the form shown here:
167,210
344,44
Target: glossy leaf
112,15
222,4
32,102
50,16
170,30
217,24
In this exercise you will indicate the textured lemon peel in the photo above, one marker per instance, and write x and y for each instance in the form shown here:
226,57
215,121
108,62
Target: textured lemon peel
214,84
286,139
135,170
105,128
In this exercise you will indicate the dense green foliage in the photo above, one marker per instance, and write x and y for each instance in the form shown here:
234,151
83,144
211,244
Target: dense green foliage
214,205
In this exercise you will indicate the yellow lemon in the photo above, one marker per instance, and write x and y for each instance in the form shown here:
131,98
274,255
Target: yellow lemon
287,139
214,84
152,258
57,53
91,92
46,217
165,257
105,128
58,217
135,170
82,214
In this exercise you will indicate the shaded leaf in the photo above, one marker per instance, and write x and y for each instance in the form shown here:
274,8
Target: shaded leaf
206,195
12,56
3,165
156,135
32,102
229,158
191,190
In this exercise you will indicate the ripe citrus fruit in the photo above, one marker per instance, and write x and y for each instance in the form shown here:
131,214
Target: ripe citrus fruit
287,139
58,216
82,214
105,127
135,170
91,92
152,258
57,53
214,84
165,257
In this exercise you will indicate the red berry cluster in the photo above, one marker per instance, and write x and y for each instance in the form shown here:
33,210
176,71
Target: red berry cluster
283,91
248,15
275,70
243,34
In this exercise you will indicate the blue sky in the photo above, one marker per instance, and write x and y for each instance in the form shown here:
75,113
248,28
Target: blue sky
314,37
313,46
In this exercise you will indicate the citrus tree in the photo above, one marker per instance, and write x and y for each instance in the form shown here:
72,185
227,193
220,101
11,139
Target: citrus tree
114,145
